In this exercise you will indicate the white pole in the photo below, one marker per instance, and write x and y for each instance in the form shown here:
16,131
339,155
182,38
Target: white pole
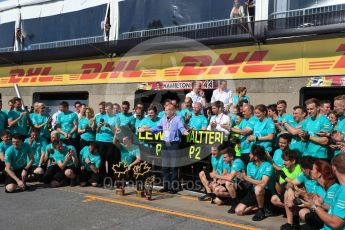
16,88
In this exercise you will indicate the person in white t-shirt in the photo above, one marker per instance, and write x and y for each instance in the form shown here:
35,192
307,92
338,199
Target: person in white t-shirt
197,94
222,94
220,121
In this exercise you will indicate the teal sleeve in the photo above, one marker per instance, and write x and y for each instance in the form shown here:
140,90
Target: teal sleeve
268,170
237,166
8,156
97,162
204,123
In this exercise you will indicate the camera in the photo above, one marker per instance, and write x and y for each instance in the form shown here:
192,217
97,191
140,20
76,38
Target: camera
297,201
101,120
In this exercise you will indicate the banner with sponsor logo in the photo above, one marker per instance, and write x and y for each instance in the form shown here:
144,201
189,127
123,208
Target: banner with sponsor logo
193,148
177,85
309,58
326,81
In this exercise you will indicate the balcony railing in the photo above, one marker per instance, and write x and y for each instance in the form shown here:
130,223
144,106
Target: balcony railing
65,43
226,27
308,17
6,49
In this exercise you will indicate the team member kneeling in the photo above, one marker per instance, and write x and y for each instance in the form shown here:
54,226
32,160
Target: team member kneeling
17,165
91,162
63,165
38,145
261,180
229,188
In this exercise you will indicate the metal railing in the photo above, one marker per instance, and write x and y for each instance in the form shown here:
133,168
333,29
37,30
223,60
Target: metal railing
308,17
65,43
6,49
195,30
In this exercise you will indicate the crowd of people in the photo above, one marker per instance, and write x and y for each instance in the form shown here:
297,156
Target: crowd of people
270,162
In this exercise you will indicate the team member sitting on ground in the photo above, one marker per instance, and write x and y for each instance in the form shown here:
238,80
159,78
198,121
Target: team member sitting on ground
260,174
91,162
17,165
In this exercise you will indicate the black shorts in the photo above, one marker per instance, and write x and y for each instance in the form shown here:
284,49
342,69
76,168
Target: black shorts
88,176
2,166
225,200
250,198
54,172
312,219
10,180
32,169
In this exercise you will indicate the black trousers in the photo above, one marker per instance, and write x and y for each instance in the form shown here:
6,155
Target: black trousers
169,165
109,153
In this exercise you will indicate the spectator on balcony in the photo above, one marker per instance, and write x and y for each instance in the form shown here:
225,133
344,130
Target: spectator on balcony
251,9
237,10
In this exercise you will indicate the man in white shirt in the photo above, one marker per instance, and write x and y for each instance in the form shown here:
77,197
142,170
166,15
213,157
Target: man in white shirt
197,94
222,94
220,121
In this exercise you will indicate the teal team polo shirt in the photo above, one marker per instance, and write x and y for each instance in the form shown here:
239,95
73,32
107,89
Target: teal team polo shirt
337,207
246,123
237,166
265,169
38,119
217,164
89,135
128,156
21,127
66,122
198,122
18,157
261,129
313,126
94,158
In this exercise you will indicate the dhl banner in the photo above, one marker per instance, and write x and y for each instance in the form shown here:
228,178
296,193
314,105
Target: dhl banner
309,58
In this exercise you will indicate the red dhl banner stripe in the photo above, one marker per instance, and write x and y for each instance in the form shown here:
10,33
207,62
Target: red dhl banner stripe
310,58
